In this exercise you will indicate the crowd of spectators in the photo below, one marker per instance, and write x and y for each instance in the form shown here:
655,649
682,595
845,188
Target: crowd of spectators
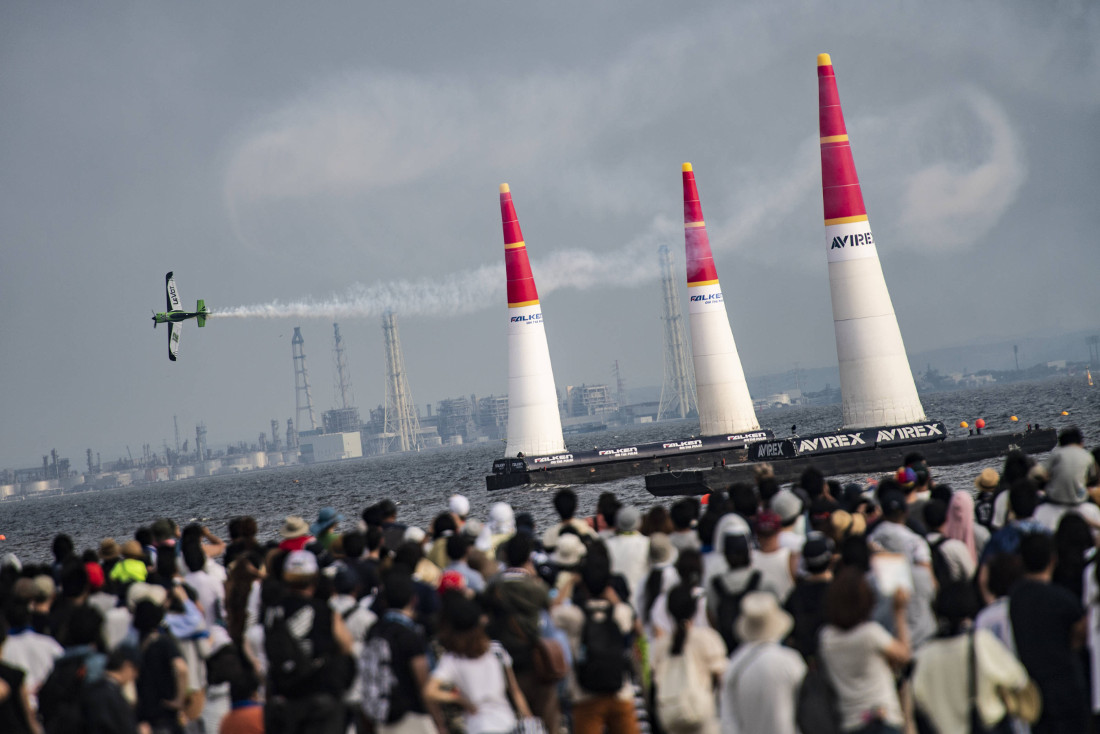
896,604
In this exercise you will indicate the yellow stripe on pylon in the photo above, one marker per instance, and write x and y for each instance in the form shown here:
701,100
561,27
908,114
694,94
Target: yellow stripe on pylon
846,220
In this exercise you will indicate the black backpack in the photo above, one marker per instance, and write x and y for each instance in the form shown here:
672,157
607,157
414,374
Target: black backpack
62,698
288,665
817,710
729,608
984,507
601,660
941,569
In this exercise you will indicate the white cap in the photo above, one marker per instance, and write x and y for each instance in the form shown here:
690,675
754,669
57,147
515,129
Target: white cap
415,534
300,563
502,519
459,505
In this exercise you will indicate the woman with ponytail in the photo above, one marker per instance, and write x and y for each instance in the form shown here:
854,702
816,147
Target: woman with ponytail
687,667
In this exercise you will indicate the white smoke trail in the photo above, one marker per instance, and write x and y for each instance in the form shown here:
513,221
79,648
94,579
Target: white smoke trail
477,288
457,293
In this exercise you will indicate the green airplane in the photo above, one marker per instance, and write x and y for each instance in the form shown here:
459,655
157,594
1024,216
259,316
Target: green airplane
174,316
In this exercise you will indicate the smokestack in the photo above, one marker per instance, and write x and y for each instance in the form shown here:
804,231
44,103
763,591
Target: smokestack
876,383
534,424
722,395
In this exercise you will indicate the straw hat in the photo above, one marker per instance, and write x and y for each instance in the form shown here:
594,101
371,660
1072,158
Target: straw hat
761,619
132,549
569,551
987,480
294,527
140,591
108,549
846,524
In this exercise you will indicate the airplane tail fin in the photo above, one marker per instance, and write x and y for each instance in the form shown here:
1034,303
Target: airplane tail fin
200,307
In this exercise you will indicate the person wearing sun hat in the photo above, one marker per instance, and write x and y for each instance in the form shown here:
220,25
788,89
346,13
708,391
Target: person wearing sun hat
324,528
294,533
987,483
108,554
761,682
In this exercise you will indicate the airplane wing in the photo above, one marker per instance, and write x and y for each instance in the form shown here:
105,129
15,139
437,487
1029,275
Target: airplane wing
174,340
174,303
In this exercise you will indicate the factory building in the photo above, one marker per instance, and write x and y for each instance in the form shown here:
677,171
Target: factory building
330,447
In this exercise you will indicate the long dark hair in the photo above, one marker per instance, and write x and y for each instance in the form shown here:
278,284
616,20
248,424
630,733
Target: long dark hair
681,605
461,628
689,564
651,591
849,599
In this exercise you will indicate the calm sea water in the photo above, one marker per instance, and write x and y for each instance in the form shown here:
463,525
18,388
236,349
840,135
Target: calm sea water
420,483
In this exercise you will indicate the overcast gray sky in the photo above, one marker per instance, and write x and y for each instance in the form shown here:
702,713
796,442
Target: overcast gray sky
350,153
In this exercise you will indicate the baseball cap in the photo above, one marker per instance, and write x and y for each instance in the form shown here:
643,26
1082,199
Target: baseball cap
300,563
787,505
459,505
768,522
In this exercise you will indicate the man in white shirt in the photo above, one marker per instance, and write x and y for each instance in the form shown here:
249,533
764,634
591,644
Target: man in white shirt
31,652
892,536
629,549
761,682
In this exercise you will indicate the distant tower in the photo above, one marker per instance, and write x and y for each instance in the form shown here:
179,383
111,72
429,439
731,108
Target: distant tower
274,435
401,420
302,398
620,385
1016,355
345,417
1094,352
200,441
343,376
291,435
678,389
176,423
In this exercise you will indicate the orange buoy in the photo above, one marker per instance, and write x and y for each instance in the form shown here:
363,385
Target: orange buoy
964,424
1065,412
980,423
1013,418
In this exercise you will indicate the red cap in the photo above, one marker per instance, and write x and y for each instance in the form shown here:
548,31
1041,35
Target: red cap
768,523
521,284
700,261
840,191
451,581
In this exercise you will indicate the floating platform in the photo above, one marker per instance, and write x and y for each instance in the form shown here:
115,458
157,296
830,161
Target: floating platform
869,458
589,467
